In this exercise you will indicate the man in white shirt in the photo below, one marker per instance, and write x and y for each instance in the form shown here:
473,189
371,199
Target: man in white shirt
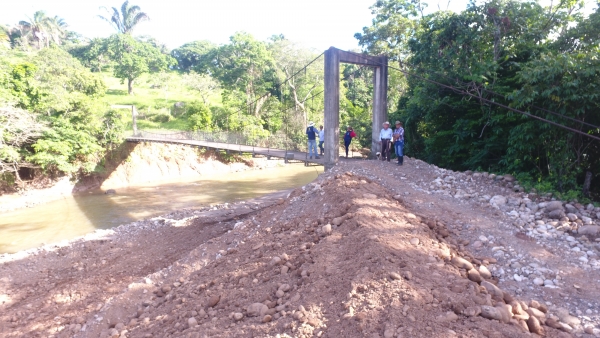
321,140
385,136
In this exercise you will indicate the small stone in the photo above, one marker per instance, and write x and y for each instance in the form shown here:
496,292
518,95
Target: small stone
213,300
192,322
414,241
257,309
238,316
279,294
462,263
472,311
538,281
326,229
395,276
484,272
534,326
285,269
267,319
491,312
447,317
474,276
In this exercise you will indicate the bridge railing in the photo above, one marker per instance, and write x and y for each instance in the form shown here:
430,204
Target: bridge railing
277,141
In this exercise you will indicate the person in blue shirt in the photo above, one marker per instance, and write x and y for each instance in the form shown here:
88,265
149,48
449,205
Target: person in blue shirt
311,132
321,140
385,136
399,142
348,138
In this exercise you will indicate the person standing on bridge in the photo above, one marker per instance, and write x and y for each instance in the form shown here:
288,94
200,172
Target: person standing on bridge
350,134
321,140
399,142
385,136
311,132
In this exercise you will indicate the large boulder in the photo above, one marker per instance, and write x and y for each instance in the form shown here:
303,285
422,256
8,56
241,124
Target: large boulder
554,205
589,230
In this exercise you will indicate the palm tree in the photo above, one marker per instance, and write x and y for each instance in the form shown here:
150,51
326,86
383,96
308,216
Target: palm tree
57,27
36,28
125,20
43,29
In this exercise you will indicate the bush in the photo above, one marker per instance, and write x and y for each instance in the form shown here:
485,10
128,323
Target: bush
160,116
199,116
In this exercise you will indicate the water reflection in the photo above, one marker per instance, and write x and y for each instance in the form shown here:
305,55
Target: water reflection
75,216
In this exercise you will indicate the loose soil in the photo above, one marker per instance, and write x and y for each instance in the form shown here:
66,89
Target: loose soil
364,251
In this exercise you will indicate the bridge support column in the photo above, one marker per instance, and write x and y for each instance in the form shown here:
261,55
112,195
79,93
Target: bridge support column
332,108
333,57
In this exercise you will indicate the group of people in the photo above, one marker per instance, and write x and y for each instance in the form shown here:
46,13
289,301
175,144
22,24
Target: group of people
387,138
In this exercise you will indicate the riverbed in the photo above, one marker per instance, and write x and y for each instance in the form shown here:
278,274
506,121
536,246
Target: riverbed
75,216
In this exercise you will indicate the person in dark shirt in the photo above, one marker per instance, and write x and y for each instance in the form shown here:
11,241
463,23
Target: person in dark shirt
311,133
399,142
350,134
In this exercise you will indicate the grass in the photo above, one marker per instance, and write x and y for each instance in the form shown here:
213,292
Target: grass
152,101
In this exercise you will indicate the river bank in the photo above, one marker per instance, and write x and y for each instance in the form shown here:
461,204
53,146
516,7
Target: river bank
367,249
135,164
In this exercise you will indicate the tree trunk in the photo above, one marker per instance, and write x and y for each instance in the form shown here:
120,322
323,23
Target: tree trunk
587,183
130,86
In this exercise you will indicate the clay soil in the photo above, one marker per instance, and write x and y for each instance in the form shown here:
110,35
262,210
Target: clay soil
360,252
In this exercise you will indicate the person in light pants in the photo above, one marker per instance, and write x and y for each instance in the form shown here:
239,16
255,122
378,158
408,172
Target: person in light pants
321,140
385,136
399,142
311,133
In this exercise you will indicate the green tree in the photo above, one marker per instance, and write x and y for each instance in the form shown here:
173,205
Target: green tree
194,56
203,84
199,116
133,58
125,20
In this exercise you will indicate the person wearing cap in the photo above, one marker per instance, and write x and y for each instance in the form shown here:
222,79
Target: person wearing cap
321,140
311,132
385,136
398,136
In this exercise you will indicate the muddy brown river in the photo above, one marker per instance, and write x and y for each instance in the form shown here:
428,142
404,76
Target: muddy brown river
75,216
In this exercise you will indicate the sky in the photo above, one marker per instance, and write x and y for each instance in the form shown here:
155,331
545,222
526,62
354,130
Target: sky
316,24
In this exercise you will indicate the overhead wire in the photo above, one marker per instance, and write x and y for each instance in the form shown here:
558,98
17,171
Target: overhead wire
501,95
457,90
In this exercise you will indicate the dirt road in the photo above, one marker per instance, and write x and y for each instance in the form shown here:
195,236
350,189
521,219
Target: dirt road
369,249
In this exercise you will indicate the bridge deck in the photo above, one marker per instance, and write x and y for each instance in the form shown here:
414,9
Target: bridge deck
280,153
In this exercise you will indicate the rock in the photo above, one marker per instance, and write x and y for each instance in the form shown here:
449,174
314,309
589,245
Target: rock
338,220
484,272
414,241
275,261
279,294
505,311
571,217
536,313
491,312
538,281
267,319
447,317
110,192
493,290
213,300
565,317
589,230
388,333
407,275
472,311
498,200
534,326
284,269
395,276
553,205
238,316
192,322
326,229
553,323
462,263
556,214
474,276
509,178
256,309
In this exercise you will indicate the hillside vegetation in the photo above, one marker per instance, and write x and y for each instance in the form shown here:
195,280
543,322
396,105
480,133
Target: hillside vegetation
502,86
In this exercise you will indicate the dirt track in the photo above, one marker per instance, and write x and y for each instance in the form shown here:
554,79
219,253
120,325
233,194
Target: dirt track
369,249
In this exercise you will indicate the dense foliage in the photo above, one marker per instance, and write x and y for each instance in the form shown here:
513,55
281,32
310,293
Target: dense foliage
518,54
